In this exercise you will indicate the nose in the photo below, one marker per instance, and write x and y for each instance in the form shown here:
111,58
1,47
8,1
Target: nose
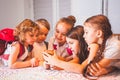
44,36
34,38
59,35
84,35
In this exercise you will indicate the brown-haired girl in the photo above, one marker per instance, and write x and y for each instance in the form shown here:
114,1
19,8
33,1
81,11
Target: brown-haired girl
40,45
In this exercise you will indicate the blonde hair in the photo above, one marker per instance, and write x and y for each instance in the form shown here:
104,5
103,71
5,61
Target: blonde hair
26,25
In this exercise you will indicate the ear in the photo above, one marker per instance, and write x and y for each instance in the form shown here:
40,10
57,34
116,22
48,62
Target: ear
99,33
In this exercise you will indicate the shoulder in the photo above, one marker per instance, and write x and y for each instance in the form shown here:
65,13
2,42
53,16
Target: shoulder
16,44
113,41
112,48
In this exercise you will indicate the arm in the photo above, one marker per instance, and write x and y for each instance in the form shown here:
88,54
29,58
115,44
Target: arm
93,49
73,58
12,61
50,43
67,66
100,68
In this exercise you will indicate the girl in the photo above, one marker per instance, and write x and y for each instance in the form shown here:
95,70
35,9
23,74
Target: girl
99,28
76,42
26,34
78,46
58,41
41,44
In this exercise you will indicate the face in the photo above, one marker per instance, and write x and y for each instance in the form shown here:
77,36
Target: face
30,37
60,33
90,34
73,44
43,33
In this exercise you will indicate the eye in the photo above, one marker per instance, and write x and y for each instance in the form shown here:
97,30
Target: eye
64,34
31,35
57,31
70,42
37,35
86,32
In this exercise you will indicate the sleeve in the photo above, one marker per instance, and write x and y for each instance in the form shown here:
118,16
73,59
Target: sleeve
112,49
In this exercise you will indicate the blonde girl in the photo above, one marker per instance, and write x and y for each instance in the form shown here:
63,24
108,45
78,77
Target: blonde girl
26,34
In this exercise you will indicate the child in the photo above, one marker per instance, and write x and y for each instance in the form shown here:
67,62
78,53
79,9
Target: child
76,42
41,44
109,54
78,46
26,34
58,41
99,28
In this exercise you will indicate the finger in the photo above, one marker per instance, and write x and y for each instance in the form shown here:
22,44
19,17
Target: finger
55,53
45,54
45,58
91,71
98,66
94,68
32,65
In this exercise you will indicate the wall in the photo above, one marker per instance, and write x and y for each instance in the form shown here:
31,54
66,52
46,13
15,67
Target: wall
83,9
13,12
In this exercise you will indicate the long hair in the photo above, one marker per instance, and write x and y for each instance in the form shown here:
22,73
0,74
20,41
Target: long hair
77,33
102,23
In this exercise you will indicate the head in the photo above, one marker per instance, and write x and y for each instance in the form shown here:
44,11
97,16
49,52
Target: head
77,43
63,26
44,29
97,29
27,32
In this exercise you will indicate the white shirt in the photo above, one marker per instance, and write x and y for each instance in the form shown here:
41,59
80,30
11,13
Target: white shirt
112,50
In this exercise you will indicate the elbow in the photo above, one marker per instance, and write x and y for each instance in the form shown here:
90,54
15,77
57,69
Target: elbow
12,66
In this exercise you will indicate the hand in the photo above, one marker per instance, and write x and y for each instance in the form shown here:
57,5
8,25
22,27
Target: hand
34,62
96,70
49,58
56,68
46,66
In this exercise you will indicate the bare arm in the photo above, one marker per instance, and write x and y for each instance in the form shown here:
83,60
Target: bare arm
13,59
67,66
100,68
93,49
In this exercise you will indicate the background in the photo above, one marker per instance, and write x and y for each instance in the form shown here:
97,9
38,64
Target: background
12,12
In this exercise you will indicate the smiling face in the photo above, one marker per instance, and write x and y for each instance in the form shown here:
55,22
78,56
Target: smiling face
30,37
60,33
73,44
43,33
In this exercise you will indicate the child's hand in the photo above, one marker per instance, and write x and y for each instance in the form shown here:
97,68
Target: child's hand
46,66
96,70
56,68
34,62
49,58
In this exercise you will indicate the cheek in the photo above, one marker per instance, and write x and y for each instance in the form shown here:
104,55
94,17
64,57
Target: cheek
76,47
